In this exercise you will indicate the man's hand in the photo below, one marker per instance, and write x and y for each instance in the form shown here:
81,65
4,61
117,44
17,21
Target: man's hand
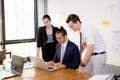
59,65
51,63
81,69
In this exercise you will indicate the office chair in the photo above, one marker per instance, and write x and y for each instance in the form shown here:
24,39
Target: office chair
2,56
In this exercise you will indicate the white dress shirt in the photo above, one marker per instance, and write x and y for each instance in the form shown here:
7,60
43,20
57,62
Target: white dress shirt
62,54
91,35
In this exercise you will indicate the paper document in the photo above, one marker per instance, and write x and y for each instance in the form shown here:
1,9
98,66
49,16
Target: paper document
102,77
29,65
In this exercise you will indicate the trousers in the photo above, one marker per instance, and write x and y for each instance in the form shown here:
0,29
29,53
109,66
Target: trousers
96,64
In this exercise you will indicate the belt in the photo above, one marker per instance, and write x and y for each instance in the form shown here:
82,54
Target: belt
98,53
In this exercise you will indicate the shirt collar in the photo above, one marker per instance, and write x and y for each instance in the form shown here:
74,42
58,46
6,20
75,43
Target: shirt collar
65,43
82,28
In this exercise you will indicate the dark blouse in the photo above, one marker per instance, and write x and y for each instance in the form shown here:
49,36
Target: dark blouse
42,36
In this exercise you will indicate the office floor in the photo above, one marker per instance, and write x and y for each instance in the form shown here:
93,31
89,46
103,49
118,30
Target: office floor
108,69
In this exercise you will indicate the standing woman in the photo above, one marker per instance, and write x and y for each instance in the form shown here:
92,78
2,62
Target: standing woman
46,39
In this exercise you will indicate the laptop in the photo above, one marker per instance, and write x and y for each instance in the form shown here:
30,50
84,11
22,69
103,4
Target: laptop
41,64
16,68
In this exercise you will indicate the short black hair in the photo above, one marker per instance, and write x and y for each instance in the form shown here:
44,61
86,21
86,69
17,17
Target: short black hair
62,31
74,18
46,16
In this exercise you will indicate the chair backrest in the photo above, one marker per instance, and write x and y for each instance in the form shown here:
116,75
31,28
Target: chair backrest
2,56
117,77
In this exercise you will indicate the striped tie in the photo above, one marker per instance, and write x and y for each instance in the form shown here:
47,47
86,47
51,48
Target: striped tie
81,47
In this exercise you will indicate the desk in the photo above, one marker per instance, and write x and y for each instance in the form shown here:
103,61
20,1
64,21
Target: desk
61,74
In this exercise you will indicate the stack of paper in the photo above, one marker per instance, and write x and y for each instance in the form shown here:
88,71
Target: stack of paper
29,65
102,77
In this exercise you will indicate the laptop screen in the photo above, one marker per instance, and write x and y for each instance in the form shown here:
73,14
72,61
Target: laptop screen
17,63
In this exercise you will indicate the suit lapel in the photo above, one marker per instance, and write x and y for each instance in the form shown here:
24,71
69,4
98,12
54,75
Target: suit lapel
59,52
45,33
66,51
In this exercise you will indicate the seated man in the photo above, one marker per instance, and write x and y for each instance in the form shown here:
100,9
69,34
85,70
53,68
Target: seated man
67,53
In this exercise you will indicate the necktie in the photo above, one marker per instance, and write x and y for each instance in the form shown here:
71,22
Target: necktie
62,53
81,47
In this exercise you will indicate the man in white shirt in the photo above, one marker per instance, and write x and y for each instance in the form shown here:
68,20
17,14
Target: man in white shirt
95,56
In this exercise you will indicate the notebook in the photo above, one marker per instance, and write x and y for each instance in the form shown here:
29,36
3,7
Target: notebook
39,63
16,68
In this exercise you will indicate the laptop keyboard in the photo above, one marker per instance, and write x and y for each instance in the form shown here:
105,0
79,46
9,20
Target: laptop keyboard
4,74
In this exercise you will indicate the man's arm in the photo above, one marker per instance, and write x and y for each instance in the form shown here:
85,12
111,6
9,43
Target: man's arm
56,57
88,53
86,57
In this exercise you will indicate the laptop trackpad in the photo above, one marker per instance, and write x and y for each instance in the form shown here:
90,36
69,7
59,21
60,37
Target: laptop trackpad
50,67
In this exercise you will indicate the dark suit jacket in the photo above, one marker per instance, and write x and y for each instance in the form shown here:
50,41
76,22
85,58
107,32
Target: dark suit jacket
71,56
42,36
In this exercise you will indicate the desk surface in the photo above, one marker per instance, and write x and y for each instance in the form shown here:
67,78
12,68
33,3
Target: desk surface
61,74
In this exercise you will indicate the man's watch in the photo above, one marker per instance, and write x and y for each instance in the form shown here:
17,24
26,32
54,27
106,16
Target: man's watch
82,64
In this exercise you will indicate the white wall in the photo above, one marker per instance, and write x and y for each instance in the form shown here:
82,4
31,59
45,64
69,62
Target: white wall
93,12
